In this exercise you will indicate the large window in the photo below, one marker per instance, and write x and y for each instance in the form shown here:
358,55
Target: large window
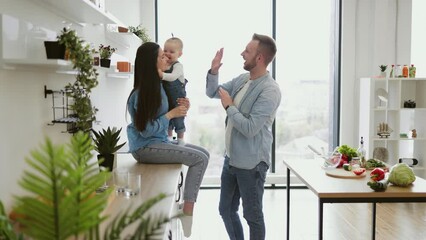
302,66
418,38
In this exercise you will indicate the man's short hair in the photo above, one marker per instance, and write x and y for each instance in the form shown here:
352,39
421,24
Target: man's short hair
266,46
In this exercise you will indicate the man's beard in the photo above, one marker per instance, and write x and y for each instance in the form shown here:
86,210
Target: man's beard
249,65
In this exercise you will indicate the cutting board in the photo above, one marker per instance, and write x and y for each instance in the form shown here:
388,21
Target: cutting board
342,173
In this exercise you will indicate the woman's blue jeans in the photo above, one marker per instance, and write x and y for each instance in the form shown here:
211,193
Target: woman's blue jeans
195,157
249,186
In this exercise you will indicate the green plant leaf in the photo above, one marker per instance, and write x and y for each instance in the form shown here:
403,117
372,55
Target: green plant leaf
81,56
61,203
106,140
147,226
6,227
62,184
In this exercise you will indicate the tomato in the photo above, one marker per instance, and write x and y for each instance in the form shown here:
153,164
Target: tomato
343,160
359,171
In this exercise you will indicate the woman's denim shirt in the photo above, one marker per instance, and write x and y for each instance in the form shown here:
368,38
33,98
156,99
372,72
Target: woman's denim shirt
251,137
155,131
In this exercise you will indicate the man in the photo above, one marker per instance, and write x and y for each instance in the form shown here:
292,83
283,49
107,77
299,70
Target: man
250,101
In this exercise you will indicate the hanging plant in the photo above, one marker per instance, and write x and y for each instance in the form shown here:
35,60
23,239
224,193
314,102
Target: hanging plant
80,54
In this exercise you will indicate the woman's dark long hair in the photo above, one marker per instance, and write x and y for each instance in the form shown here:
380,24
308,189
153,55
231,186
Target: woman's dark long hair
147,81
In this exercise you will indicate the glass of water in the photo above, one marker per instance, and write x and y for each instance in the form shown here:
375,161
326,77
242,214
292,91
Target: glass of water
133,184
120,177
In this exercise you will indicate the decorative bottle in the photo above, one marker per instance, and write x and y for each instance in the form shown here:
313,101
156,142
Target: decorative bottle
361,153
405,71
391,71
398,71
412,71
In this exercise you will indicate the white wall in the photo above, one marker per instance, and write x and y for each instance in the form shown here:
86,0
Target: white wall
374,33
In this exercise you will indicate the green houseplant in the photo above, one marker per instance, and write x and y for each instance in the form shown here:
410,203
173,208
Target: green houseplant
105,53
141,32
383,70
106,144
80,54
61,203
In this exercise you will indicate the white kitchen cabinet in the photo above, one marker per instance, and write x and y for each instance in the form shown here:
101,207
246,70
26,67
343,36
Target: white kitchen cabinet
374,111
79,11
79,14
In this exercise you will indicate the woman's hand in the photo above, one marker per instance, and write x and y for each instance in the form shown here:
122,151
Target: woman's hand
179,111
184,102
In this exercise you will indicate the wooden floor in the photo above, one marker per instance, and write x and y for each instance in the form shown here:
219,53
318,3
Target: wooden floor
395,221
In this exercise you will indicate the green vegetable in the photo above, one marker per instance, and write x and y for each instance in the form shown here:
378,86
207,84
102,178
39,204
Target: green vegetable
347,151
347,167
374,163
379,186
401,175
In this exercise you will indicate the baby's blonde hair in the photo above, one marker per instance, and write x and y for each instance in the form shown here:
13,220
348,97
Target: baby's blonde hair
176,40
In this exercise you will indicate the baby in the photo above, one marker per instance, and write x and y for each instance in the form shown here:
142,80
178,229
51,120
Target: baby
174,84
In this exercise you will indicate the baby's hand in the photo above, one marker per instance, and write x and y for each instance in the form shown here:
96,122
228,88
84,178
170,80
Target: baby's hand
160,73
184,102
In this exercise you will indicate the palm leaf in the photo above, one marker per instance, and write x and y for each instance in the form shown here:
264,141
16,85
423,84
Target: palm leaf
147,226
6,227
61,202
62,185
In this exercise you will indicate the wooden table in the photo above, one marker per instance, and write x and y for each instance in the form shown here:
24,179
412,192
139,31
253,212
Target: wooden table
354,190
156,179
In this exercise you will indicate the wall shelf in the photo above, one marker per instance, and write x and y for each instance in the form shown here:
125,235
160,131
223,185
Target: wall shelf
399,139
119,74
375,111
127,40
79,11
58,65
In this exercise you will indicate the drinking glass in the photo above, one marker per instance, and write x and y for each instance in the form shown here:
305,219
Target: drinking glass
133,184
120,176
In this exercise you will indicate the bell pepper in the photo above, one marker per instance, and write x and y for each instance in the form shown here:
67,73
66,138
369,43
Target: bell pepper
377,174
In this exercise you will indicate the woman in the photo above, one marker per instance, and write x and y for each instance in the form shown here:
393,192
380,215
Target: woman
147,132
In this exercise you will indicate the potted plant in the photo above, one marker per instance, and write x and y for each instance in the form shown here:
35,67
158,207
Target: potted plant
122,29
54,50
105,53
383,70
106,144
80,54
61,200
141,32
